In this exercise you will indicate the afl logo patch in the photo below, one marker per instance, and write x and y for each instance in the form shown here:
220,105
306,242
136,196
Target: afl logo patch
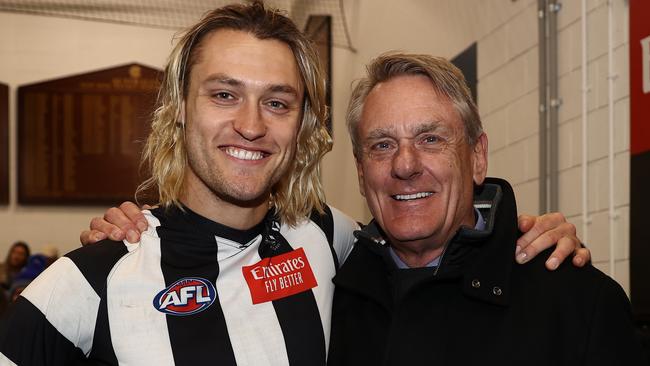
187,296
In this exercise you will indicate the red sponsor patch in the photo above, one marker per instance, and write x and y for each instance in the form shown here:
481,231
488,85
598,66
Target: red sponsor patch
280,276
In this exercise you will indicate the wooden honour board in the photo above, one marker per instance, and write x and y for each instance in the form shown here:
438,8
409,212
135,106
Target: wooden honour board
80,137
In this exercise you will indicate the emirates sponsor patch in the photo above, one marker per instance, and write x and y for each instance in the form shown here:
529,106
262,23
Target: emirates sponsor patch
280,276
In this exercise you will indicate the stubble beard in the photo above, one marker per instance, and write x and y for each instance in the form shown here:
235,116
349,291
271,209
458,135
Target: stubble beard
242,191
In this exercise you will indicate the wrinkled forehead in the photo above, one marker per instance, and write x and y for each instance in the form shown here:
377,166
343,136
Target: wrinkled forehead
407,105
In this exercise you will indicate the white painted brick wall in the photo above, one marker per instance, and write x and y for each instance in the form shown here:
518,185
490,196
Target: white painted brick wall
569,89
527,194
569,41
508,101
519,123
570,144
570,191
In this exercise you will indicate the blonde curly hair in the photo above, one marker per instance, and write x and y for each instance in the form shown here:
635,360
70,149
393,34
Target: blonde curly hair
299,191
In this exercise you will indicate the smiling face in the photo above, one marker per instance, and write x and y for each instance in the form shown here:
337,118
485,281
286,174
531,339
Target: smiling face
416,168
242,115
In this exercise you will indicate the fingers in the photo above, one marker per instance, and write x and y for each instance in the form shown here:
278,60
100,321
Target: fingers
546,231
539,225
582,257
91,236
135,215
99,224
542,232
547,239
566,246
526,222
125,222
118,225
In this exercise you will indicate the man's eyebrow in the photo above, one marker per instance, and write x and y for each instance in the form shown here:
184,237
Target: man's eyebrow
425,127
224,79
228,80
283,88
420,128
380,133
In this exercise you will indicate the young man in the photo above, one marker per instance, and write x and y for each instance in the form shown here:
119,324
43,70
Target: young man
235,267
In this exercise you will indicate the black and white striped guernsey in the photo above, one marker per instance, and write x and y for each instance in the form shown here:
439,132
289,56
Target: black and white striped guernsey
182,296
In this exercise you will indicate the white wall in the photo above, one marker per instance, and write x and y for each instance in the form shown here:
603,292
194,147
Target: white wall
508,101
36,48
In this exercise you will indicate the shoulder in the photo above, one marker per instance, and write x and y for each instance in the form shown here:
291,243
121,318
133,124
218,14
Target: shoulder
568,285
343,222
564,276
66,297
586,305
341,233
85,267
95,261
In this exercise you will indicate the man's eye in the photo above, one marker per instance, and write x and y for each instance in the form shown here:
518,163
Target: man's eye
381,146
223,95
430,139
277,104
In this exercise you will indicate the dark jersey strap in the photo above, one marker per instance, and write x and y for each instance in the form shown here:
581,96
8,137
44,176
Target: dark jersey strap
325,222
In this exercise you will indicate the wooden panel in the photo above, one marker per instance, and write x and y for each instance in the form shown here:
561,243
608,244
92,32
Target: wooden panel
4,144
80,137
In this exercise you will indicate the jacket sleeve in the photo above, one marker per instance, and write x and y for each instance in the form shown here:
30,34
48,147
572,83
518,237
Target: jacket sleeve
52,322
612,337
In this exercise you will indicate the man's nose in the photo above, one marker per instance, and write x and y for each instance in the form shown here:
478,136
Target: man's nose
249,122
406,162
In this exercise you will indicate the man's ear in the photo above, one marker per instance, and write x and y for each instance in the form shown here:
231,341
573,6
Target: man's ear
360,176
479,159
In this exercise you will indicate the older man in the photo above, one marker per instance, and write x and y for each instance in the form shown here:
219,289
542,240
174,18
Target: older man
432,280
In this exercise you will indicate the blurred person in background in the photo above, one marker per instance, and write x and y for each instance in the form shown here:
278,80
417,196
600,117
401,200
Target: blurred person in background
35,265
15,261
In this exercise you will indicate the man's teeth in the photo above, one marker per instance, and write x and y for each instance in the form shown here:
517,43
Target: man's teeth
244,154
414,196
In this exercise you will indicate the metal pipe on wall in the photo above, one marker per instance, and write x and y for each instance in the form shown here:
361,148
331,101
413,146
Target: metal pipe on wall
549,103
553,134
543,139
610,106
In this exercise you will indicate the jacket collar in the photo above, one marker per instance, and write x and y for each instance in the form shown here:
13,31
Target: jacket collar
483,259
